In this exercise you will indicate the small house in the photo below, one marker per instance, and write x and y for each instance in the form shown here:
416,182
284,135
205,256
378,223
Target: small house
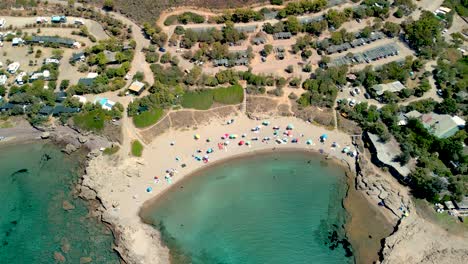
6,107
259,40
51,61
137,87
13,67
53,40
17,42
282,35
60,96
80,98
80,56
46,110
390,87
60,109
221,62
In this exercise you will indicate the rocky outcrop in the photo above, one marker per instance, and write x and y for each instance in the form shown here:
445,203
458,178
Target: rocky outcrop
420,241
135,241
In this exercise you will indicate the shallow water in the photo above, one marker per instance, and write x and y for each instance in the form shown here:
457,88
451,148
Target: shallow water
35,179
275,208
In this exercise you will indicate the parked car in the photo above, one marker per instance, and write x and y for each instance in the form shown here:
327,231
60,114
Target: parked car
161,49
367,96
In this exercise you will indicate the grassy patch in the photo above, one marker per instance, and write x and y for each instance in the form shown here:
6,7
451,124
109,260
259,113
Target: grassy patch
137,148
147,118
201,100
230,95
93,120
111,150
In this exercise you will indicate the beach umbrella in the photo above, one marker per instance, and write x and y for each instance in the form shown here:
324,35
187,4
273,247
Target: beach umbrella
149,189
346,150
224,136
324,137
208,140
220,145
241,142
309,142
334,145
232,136
290,127
294,140
247,143
196,136
266,123
210,150
289,133
226,142
197,158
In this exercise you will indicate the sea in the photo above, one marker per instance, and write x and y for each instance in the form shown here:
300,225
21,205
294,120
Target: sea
276,208
36,183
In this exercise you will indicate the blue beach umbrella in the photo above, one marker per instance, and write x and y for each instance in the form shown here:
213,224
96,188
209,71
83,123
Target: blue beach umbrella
149,189
324,137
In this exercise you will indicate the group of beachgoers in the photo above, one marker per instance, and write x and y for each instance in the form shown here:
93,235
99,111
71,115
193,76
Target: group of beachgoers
278,137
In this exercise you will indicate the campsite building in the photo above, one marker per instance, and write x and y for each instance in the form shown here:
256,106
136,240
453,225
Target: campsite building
441,126
384,154
137,87
282,35
49,40
390,87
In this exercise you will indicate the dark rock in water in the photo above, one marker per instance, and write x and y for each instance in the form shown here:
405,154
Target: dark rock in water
59,257
14,222
46,157
84,260
18,172
66,205
5,243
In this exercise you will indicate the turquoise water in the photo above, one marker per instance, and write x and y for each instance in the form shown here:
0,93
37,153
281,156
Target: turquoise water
276,208
35,179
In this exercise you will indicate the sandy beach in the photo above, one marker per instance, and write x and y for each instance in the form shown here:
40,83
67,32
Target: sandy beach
122,183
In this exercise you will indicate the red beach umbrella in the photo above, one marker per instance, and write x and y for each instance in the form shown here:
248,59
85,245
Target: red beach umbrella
241,142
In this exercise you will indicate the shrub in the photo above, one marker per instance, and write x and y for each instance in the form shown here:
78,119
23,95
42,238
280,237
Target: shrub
137,148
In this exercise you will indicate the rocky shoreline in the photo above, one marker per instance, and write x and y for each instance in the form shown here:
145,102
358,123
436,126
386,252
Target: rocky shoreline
432,242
